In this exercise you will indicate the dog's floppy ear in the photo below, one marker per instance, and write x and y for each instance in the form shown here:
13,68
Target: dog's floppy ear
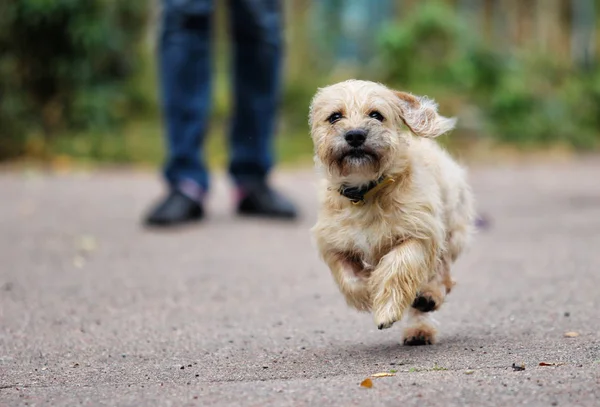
420,115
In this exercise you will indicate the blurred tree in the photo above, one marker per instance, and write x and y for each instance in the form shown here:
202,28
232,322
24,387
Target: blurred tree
584,20
65,64
520,94
348,29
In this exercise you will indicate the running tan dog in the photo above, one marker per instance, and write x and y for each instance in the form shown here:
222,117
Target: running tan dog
395,209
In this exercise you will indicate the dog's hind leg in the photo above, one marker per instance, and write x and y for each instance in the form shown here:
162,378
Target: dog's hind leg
396,279
420,328
432,294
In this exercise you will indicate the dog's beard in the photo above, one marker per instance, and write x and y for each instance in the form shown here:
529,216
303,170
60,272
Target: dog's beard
356,160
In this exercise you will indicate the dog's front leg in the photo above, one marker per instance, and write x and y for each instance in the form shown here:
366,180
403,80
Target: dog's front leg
397,278
351,276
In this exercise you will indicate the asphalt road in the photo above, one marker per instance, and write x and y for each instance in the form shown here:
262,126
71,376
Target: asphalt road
95,310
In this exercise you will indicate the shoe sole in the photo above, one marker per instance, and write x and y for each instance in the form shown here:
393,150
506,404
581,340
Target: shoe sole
168,224
266,216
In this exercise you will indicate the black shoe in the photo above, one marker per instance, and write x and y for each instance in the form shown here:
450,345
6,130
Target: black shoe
262,201
176,209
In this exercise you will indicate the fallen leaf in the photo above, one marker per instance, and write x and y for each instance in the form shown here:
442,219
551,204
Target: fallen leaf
87,243
393,371
368,383
550,364
469,371
383,374
571,334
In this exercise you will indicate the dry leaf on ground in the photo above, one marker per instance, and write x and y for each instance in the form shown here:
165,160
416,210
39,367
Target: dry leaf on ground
550,364
368,383
383,374
571,334
87,243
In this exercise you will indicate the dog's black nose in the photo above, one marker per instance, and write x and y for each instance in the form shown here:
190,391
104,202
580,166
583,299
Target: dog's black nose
356,138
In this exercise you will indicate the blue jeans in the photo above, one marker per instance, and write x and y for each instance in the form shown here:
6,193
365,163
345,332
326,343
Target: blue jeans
185,78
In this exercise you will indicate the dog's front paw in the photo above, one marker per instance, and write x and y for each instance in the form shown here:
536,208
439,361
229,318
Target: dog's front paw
424,303
419,335
385,325
430,297
386,317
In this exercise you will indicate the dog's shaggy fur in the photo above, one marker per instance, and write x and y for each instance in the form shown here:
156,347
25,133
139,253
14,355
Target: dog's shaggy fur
392,255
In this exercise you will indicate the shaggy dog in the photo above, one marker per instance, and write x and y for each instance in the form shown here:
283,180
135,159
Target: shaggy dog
395,209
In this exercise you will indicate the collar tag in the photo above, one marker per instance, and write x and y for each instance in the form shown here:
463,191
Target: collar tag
359,196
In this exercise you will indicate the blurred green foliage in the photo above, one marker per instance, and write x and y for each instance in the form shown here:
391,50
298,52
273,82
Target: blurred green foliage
67,65
79,79
521,98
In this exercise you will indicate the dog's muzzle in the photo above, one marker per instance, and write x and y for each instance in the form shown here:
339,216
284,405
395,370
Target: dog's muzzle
355,138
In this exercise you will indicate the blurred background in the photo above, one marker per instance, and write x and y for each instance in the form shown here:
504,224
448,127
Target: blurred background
78,78
94,311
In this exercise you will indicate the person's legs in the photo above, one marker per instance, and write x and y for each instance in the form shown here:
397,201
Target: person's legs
184,63
184,74
256,29
257,63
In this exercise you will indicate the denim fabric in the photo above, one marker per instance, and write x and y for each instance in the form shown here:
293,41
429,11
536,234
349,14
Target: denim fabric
185,78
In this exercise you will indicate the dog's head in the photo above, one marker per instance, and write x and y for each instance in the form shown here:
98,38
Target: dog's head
356,127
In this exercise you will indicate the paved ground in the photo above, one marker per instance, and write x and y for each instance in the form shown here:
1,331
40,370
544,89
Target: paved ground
94,310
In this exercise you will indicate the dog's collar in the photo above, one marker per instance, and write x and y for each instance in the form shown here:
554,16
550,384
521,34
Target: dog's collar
360,195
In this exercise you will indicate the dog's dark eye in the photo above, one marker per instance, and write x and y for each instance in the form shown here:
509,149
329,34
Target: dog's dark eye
376,115
334,117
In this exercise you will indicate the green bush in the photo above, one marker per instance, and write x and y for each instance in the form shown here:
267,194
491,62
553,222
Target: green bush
541,103
423,49
525,100
66,64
